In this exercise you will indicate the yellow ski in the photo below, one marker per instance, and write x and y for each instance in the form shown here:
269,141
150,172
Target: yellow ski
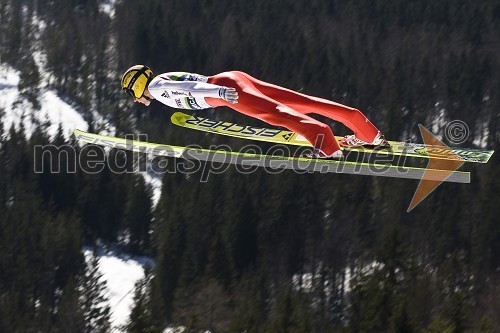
279,136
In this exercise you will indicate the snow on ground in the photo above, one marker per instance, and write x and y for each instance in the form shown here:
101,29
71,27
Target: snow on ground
482,137
307,282
53,108
120,272
108,7
179,329
121,276
155,182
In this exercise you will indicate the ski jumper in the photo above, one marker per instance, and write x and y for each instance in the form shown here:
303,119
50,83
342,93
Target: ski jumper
273,104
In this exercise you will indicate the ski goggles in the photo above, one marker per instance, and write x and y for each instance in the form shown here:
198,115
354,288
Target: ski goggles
131,93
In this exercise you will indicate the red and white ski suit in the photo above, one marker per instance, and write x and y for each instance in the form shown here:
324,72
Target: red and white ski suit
273,104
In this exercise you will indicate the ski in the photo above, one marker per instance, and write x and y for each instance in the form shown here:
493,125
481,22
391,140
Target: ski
272,161
290,138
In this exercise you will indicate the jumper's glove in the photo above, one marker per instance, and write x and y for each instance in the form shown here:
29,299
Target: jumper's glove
228,94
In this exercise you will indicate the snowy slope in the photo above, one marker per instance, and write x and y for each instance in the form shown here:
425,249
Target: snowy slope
120,273
53,108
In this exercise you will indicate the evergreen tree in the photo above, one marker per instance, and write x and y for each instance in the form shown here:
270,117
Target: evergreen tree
94,301
140,319
138,216
291,315
70,317
250,304
29,82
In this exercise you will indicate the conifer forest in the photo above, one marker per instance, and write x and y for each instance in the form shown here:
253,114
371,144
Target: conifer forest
259,252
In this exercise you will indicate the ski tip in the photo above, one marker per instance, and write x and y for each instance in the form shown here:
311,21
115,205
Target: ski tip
179,118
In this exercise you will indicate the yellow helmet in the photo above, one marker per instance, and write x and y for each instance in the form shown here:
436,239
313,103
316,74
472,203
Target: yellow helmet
136,79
